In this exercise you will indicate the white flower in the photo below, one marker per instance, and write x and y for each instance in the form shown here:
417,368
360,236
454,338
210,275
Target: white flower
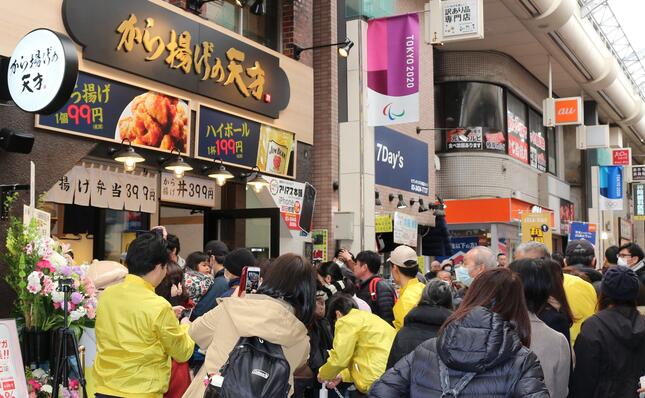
47,389
57,260
33,282
58,297
76,314
39,373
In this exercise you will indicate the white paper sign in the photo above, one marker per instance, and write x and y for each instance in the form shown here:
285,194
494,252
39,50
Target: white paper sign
63,190
116,195
43,222
132,191
99,188
188,190
405,229
82,189
12,372
149,194
459,17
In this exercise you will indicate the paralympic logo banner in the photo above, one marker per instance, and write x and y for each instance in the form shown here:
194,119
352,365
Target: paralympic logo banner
611,187
393,70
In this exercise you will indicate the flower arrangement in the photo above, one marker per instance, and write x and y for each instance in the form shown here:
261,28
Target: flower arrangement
40,382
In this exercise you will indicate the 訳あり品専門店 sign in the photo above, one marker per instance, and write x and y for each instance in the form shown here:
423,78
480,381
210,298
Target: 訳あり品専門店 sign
157,43
109,110
244,142
401,161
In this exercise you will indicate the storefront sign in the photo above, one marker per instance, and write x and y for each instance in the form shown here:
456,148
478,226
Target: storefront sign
155,42
112,111
405,229
42,71
463,243
562,111
319,239
393,70
535,228
401,161
518,147
621,157
243,142
611,187
537,146
638,212
188,190
383,223
469,138
12,372
582,230
296,201
638,173
625,229
567,215
101,187
458,19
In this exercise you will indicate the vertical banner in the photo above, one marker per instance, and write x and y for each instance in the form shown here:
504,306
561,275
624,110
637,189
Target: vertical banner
319,238
393,70
638,211
82,193
611,187
12,372
536,228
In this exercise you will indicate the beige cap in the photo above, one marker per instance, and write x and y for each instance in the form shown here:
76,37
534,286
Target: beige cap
403,254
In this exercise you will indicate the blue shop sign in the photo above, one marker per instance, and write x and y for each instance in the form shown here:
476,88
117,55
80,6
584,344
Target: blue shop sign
401,162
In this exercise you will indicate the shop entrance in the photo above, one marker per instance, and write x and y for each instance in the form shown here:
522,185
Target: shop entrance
255,229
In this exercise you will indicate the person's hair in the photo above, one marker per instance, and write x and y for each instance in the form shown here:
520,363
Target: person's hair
371,259
332,269
443,271
173,243
580,259
292,279
437,294
337,255
501,291
557,289
558,257
634,250
264,265
536,280
410,270
342,303
174,276
484,256
539,248
612,254
195,258
605,302
146,252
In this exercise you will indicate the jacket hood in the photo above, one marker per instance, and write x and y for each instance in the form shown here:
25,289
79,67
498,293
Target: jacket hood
625,324
265,317
480,341
427,315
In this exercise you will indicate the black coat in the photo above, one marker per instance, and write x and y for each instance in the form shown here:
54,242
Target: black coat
556,321
483,343
421,324
610,355
384,302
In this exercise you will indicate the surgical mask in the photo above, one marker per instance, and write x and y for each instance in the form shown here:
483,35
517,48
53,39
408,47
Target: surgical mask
463,276
622,262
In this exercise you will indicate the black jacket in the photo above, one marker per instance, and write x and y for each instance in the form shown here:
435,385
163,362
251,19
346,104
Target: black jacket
421,324
384,302
482,343
556,321
610,355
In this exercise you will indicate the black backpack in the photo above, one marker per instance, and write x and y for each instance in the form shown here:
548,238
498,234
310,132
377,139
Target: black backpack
256,368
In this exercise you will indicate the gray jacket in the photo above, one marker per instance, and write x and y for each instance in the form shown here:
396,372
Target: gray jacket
554,353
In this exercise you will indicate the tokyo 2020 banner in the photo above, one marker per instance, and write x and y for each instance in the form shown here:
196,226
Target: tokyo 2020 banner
393,70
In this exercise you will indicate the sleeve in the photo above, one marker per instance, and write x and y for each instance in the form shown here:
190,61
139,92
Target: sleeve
395,352
395,383
342,352
385,296
587,371
204,328
173,336
531,381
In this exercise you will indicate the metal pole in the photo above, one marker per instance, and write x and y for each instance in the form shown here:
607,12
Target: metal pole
550,78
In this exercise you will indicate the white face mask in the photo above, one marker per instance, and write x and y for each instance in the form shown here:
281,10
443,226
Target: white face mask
622,261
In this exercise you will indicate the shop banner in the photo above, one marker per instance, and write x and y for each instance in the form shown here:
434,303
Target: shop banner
614,156
393,70
296,201
319,238
405,229
517,138
244,142
12,372
535,228
108,110
401,161
638,211
582,230
611,187
638,173
469,138
383,223
463,243
188,190
99,186
537,155
567,215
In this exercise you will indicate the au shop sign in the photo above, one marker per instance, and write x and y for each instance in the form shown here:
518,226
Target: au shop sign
401,161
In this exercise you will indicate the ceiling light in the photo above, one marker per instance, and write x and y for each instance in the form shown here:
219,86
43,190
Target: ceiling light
221,175
256,181
377,199
401,204
344,50
177,165
128,156
257,8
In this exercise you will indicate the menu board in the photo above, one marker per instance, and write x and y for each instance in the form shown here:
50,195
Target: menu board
108,110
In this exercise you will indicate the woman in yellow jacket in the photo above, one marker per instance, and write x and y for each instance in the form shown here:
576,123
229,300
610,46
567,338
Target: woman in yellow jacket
361,347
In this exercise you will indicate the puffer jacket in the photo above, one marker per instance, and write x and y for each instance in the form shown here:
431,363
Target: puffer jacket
481,343
383,304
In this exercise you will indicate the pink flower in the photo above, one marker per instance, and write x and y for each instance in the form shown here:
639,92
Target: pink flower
90,289
77,298
45,264
35,386
74,384
48,286
91,312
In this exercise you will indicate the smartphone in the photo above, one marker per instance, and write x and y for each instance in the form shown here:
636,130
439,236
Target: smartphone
186,313
252,279
307,211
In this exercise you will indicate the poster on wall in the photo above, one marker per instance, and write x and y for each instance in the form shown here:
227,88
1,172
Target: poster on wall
319,239
393,70
537,155
401,161
611,187
12,372
189,190
405,229
244,142
383,223
296,201
536,228
582,230
468,138
517,138
108,110
567,215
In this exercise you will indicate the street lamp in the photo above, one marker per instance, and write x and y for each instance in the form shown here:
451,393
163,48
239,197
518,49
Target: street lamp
343,48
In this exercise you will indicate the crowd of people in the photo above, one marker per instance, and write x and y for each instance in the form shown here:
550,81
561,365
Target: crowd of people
542,325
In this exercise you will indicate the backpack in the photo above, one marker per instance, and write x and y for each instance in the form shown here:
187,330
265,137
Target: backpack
372,288
256,368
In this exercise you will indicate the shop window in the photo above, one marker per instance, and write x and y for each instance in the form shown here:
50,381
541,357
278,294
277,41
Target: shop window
474,114
263,29
551,147
537,142
516,123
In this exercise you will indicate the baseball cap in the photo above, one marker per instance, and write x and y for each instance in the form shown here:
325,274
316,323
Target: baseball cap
216,248
401,255
579,248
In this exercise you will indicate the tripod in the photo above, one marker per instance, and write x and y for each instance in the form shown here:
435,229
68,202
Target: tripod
63,364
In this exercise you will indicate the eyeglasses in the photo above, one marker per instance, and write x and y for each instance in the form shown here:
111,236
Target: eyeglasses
622,255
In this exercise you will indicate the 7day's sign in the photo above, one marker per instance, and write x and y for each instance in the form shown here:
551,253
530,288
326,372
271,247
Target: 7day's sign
109,110
157,43
401,161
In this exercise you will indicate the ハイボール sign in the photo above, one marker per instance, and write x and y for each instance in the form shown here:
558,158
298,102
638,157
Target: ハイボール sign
149,40
42,71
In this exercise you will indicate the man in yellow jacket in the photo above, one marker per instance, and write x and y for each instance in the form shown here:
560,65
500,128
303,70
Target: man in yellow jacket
137,332
361,347
404,272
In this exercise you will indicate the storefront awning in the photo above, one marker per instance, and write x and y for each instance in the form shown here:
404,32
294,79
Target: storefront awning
489,210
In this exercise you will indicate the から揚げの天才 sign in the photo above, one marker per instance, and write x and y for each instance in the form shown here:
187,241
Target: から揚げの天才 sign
152,41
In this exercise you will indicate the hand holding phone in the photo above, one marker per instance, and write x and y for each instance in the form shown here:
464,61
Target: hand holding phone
249,280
